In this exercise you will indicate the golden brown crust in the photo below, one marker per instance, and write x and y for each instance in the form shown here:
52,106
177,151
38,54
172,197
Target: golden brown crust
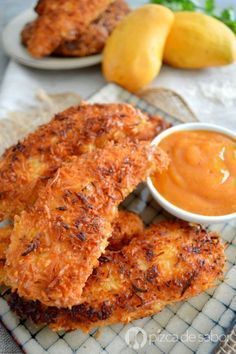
5,233
169,262
26,167
56,244
93,39
26,32
61,20
125,227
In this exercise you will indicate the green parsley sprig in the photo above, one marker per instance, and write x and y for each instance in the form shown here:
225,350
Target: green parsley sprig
227,15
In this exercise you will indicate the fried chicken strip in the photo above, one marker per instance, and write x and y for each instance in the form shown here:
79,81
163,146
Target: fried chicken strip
93,39
27,166
124,227
61,20
169,262
56,244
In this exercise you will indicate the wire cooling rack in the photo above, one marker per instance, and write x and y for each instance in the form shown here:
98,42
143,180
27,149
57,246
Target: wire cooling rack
194,326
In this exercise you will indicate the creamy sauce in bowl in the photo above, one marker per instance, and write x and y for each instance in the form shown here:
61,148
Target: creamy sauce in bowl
201,177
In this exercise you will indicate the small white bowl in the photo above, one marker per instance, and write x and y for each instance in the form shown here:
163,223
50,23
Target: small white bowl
168,206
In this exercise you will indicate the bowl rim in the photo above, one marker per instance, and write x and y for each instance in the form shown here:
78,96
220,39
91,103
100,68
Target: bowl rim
167,205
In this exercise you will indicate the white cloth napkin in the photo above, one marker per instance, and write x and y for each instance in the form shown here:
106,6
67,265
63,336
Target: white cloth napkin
210,93
20,84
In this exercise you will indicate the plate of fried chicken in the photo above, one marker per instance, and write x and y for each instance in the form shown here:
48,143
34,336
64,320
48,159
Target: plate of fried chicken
88,248
63,37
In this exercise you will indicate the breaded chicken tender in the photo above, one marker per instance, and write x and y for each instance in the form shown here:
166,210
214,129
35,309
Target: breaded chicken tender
93,39
26,32
27,166
61,20
169,262
124,227
56,244
5,233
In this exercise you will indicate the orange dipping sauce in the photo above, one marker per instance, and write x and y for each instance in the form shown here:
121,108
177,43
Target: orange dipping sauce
201,177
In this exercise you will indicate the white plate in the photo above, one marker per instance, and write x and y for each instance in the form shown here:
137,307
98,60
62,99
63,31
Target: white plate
13,47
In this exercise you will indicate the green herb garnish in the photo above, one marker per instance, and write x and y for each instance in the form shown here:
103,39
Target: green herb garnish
227,15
